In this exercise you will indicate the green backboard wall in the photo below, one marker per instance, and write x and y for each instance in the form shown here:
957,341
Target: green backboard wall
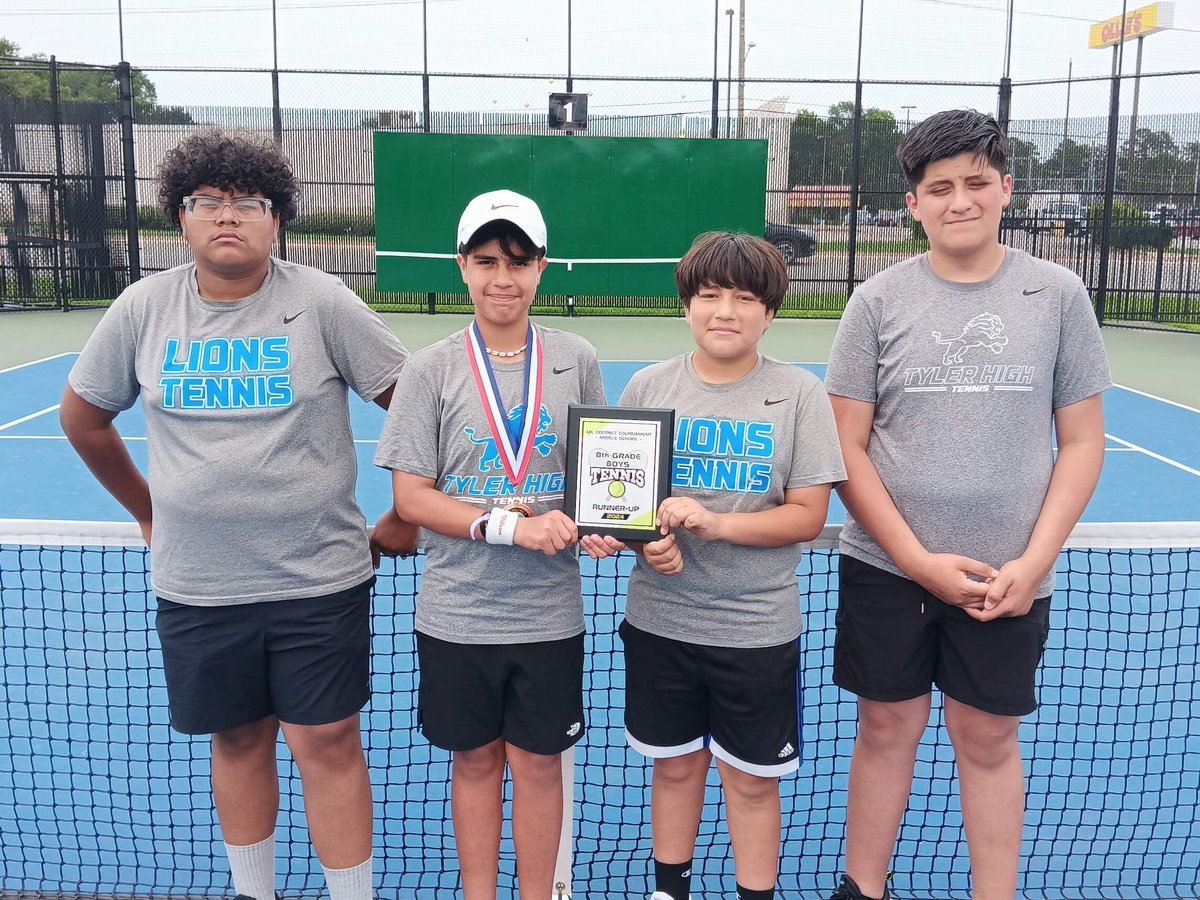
619,211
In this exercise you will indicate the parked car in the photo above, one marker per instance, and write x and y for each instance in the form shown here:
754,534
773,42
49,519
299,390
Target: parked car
792,242
896,218
865,217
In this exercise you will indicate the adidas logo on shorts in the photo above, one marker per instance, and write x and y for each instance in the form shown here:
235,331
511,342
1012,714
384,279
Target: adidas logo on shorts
787,750
573,730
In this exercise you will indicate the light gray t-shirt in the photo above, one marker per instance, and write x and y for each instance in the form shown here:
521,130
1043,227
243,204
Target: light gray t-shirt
473,592
252,464
738,448
965,379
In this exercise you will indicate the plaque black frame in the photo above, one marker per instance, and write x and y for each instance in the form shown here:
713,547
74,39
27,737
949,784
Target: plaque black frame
665,418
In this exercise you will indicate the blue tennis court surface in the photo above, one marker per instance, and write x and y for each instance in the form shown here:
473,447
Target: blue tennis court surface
99,797
1151,469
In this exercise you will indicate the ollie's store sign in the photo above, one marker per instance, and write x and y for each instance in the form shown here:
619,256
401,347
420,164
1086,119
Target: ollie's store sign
1138,24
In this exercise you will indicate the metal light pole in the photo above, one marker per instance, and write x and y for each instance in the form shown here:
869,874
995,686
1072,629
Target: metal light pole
729,76
121,30
742,84
741,62
716,97
907,117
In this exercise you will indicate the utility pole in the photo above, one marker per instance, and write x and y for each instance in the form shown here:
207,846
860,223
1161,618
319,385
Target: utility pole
741,64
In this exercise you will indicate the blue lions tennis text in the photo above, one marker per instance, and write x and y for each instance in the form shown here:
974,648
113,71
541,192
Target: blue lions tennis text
226,373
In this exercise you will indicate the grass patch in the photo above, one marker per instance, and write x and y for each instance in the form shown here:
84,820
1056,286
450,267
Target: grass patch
1178,312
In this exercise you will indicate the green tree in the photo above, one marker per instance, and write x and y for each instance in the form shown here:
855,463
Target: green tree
1072,163
1024,163
821,151
27,78
1155,167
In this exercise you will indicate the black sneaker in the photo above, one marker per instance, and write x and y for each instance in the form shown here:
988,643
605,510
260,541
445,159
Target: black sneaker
848,890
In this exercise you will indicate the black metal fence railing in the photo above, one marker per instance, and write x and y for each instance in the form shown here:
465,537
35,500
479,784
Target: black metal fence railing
78,220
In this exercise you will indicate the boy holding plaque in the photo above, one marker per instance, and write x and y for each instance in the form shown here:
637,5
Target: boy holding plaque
713,610
477,451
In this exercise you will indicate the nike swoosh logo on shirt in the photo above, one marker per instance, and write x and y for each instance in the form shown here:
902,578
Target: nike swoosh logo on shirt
773,402
1028,292
288,320
558,371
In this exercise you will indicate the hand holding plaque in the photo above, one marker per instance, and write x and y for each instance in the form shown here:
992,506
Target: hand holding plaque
618,469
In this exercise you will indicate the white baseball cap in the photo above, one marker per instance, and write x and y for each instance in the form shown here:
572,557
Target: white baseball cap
508,206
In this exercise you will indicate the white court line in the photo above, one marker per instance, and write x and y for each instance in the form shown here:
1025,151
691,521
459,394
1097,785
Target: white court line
1158,398
1153,455
37,361
40,412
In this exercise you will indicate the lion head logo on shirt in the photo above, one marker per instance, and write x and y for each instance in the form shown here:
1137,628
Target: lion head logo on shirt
542,442
985,330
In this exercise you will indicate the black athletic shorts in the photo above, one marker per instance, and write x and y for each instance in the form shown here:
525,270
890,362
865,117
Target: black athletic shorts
743,704
895,640
306,661
531,694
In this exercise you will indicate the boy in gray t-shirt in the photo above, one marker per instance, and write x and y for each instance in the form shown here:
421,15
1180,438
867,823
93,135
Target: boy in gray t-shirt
949,376
476,441
259,552
713,610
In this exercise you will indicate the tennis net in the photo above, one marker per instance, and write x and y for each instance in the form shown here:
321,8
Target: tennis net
98,797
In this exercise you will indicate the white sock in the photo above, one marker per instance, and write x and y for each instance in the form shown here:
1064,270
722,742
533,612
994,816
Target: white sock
353,883
253,868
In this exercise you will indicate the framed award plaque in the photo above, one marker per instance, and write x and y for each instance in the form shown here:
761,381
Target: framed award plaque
618,469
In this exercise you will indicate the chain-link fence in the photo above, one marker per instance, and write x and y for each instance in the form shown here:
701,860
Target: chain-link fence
78,219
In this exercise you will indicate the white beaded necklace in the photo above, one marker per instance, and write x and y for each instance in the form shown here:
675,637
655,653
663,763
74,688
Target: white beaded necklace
506,354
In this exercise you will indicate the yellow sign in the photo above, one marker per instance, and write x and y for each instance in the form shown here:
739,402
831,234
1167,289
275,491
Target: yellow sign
1138,23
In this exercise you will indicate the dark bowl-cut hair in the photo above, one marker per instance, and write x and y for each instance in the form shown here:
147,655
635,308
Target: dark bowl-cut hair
514,243
227,162
947,134
733,260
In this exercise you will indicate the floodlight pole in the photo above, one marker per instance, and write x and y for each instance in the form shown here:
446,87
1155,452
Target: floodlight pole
716,97
277,112
121,30
729,76
741,64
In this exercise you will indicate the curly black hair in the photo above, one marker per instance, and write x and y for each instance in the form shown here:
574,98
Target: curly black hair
227,161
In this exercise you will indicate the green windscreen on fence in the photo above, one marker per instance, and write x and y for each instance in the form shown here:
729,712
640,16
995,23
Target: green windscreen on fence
619,211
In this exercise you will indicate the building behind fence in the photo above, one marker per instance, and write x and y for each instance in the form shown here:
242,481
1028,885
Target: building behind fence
78,219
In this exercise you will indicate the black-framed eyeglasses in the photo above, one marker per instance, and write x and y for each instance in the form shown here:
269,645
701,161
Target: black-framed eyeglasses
201,206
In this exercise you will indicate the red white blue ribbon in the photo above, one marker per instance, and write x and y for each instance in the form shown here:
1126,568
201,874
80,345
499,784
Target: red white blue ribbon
515,446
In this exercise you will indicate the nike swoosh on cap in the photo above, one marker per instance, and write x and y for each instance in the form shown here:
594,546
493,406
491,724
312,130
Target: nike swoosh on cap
504,206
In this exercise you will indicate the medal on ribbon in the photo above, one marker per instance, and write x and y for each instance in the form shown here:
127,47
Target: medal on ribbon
514,439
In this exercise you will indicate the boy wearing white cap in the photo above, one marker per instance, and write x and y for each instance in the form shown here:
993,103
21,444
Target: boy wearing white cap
477,449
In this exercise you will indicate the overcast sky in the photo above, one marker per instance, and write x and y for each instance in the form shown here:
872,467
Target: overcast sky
903,40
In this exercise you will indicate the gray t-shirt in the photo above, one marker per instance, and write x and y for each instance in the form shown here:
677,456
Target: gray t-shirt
965,379
252,463
473,592
738,448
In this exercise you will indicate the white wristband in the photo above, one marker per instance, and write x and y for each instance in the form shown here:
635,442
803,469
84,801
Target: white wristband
501,526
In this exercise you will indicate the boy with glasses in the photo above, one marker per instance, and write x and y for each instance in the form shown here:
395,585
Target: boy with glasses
259,553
